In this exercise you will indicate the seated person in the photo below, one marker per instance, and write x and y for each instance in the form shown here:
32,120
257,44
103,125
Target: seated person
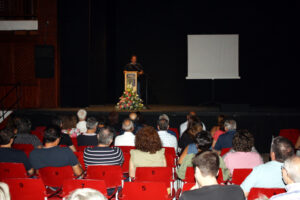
51,155
206,166
103,154
242,157
216,131
166,138
291,177
225,140
81,125
166,117
86,194
203,143
7,154
269,174
23,134
184,126
148,152
90,137
127,138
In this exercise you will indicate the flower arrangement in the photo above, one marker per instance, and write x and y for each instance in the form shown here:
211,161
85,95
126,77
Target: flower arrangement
130,100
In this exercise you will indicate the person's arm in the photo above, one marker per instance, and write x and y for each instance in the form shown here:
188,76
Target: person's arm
184,153
131,170
249,182
77,170
30,171
72,147
297,145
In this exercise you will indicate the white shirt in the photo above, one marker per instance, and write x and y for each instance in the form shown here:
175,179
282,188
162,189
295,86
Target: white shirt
81,125
184,125
127,139
168,140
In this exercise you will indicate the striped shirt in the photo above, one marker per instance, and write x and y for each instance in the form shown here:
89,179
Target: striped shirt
103,156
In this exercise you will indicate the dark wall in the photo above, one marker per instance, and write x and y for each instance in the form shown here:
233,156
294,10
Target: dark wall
157,32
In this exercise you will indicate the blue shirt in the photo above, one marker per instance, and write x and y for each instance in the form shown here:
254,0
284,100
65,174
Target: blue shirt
225,140
267,175
192,148
14,155
293,193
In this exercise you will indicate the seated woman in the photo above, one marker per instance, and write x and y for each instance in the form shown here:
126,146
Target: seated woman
219,130
203,143
148,152
242,156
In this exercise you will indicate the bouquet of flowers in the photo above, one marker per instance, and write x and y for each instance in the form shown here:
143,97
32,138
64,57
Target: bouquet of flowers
130,100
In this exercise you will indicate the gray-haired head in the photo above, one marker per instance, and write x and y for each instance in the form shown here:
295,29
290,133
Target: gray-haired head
86,194
292,166
164,116
91,123
230,125
105,136
127,125
81,114
163,124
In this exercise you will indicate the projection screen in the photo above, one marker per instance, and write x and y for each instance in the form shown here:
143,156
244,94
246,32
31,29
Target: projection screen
213,57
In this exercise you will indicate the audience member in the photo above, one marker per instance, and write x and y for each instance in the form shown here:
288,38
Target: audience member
148,152
103,154
166,117
206,166
291,177
184,125
4,191
81,125
51,155
243,156
166,138
90,137
86,194
203,143
218,130
269,175
225,140
127,138
195,126
69,125
134,118
102,124
8,154
24,135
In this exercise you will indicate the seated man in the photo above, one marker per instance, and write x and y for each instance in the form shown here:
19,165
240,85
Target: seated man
291,177
225,140
7,154
52,155
206,166
269,174
127,138
166,138
184,125
166,117
102,154
90,137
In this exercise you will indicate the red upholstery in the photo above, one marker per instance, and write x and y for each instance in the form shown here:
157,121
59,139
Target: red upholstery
55,176
26,188
291,134
144,190
224,151
268,192
190,177
125,166
70,185
75,143
187,186
39,134
79,155
12,170
175,130
111,174
81,148
126,149
220,178
239,175
27,148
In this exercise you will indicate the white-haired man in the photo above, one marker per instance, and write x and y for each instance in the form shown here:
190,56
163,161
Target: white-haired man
81,125
127,138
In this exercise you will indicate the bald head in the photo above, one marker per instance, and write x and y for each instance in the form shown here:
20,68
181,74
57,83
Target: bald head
133,116
292,167
127,125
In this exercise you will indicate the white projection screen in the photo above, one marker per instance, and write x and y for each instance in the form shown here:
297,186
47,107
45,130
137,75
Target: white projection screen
213,57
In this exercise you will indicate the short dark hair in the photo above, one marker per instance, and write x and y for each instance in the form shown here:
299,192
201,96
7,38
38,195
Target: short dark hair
163,124
51,134
105,136
148,140
207,162
283,148
57,122
243,141
91,123
5,136
203,140
24,125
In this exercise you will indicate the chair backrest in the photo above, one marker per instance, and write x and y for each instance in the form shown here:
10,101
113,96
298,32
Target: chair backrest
55,176
111,174
79,155
268,192
291,134
26,148
224,151
26,188
187,186
70,185
125,166
170,151
75,143
189,175
126,149
239,175
39,134
144,190
12,170
170,161
154,174
175,130
220,177
81,148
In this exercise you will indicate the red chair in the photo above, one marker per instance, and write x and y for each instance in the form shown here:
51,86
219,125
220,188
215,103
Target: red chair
81,148
239,175
26,188
291,134
126,149
190,176
170,155
125,166
26,148
39,134
12,170
75,143
55,176
268,192
111,174
79,155
40,128
145,191
175,130
70,185
224,151
187,186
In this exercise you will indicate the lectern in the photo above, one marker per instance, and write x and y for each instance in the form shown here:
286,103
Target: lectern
130,80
